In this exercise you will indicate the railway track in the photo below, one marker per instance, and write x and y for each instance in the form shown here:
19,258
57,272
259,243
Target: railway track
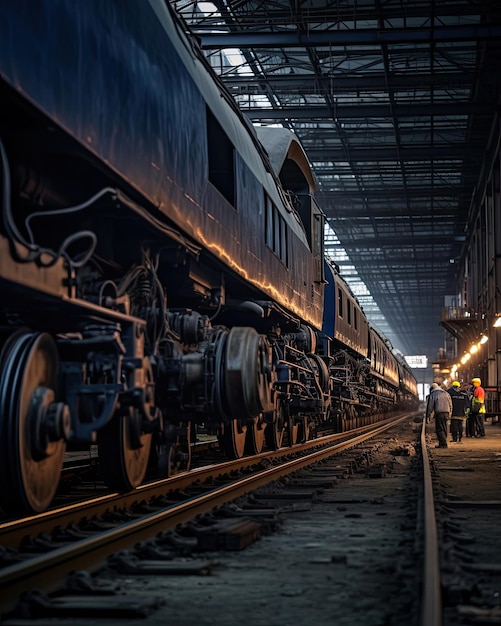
395,551
41,551
467,485
461,574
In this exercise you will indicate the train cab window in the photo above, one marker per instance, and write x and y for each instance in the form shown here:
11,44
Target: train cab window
348,311
355,318
283,251
221,159
275,231
268,222
340,303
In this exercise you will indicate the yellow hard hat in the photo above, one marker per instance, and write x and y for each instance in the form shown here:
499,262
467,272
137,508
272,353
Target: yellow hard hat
456,383
476,381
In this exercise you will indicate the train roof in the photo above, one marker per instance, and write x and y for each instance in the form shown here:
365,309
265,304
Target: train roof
281,144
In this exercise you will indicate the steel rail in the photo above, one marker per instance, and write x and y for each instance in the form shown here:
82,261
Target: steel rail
12,530
431,604
47,572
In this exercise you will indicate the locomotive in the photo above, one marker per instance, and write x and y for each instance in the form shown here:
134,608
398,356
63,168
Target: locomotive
162,262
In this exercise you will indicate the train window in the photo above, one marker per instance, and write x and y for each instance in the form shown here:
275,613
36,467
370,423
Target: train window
283,242
317,246
275,231
340,303
355,318
314,222
221,159
268,225
348,311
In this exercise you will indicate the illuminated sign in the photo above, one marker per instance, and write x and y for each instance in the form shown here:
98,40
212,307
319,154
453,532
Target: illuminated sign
417,362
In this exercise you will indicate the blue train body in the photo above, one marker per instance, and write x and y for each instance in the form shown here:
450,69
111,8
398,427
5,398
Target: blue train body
161,261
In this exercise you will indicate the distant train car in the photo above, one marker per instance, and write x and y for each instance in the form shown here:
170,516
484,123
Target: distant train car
161,261
384,366
344,346
365,373
408,389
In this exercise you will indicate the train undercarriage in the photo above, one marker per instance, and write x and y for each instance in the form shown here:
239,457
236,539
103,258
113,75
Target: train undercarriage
116,330
103,360
96,383
93,354
74,372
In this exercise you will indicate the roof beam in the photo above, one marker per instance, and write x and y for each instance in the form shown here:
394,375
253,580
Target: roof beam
345,84
329,11
422,264
426,191
359,110
340,212
397,242
359,37
427,153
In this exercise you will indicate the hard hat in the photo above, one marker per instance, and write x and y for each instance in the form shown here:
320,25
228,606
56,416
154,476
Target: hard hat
434,386
456,383
476,381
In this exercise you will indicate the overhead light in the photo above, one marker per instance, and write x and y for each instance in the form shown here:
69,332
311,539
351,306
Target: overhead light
497,323
473,348
484,339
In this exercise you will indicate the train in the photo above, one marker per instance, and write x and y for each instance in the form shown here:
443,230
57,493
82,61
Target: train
162,262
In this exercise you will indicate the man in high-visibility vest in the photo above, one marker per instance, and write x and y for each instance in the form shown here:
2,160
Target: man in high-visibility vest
478,407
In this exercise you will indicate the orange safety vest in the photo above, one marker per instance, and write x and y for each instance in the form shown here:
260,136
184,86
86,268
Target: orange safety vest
478,400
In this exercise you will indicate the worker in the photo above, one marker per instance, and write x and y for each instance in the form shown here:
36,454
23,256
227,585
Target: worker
478,407
460,404
439,405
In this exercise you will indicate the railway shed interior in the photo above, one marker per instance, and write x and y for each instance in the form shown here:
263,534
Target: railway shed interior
397,106
173,337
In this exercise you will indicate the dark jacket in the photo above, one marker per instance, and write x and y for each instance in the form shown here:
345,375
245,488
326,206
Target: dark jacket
439,401
460,402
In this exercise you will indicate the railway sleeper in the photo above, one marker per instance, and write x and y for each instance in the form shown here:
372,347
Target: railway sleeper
36,605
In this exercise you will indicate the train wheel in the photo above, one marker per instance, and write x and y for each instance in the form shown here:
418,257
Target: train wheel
292,430
255,436
353,417
321,372
232,438
172,460
123,452
174,455
343,423
247,373
303,430
33,426
274,432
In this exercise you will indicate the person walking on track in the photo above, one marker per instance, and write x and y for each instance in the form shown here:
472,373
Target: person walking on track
439,405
